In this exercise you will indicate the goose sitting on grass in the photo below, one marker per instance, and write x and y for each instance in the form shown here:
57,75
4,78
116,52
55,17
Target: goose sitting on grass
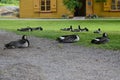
84,29
22,43
68,38
38,28
98,31
67,29
76,30
101,40
25,29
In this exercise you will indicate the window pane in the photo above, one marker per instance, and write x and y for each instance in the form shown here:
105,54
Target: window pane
118,2
48,8
113,1
118,7
42,2
113,7
43,8
45,5
47,2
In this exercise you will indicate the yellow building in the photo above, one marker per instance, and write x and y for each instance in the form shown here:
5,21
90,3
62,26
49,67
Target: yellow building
56,8
111,8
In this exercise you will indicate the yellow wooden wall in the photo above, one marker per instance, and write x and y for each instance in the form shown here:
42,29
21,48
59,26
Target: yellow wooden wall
29,10
104,10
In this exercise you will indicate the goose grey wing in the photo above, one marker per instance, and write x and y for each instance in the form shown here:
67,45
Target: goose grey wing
12,44
23,43
69,40
104,40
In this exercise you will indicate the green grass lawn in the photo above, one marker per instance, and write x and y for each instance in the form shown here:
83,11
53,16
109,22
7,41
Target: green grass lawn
52,30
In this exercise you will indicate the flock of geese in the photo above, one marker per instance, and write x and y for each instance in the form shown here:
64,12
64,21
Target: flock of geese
24,42
74,38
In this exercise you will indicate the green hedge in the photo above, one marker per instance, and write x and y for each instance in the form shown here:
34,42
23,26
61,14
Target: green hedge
9,1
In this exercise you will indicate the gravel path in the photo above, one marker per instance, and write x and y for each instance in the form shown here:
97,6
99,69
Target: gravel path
49,60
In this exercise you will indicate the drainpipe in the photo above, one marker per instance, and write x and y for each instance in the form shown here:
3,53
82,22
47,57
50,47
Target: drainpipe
89,4
92,1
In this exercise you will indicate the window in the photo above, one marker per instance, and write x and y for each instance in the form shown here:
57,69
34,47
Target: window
115,5
45,5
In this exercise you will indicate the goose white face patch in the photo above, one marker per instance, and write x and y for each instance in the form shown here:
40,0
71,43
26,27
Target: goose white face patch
77,39
105,34
62,38
25,37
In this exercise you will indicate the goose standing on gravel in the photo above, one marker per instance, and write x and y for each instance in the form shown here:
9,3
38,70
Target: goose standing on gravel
22,43
101,40
68,39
